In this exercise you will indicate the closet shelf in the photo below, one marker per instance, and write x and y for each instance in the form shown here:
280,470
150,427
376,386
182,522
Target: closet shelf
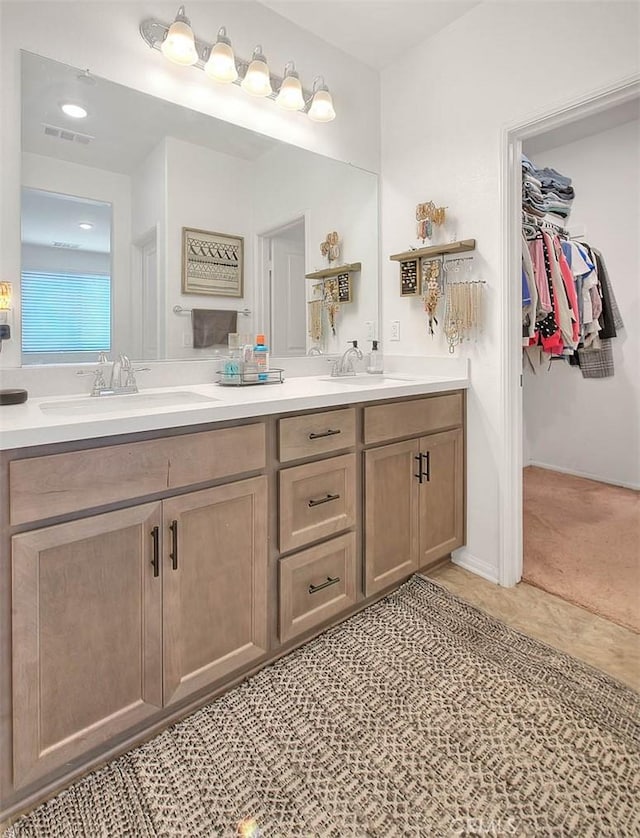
435,250
325,273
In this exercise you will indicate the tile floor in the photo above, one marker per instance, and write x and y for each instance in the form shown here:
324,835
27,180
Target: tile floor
599,642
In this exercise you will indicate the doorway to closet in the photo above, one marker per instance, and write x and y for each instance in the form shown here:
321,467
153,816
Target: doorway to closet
581,392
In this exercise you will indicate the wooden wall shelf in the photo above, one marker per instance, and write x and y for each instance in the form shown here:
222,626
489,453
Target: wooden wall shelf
435,250
326,273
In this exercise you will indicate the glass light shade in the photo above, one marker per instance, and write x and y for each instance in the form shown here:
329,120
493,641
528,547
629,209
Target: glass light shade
179,45
221,64
6,292
256,80
290,96
321,109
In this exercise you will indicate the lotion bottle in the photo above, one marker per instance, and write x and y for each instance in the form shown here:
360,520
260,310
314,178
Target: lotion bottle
375,364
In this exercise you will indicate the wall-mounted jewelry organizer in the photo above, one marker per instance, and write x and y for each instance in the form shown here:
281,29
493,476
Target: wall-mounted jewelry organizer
334,287
426,272
411,258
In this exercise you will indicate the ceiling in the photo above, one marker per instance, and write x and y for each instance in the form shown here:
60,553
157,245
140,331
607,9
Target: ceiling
124,124
48,218
377,32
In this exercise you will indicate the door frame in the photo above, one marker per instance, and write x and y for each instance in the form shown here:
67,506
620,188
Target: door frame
510,314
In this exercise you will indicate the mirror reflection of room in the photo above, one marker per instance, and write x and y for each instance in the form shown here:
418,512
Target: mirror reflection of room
160,168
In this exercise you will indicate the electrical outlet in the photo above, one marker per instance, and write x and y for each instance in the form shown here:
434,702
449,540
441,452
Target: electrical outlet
370,329
395,330
187,340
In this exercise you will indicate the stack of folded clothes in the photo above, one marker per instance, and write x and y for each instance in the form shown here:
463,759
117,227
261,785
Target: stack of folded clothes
545,191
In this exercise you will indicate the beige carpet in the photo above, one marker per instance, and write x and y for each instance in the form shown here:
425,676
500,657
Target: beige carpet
582,542
421,716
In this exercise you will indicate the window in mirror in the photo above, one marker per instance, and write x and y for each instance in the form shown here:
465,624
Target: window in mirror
66,288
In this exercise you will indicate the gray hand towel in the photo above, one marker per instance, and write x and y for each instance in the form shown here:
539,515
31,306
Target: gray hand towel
211,327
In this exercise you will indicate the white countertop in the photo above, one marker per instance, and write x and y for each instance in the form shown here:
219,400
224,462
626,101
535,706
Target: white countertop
27,424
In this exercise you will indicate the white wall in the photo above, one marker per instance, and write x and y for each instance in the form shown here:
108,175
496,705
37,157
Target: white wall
587,426
288,184
443,108
104,37
66,178
209,191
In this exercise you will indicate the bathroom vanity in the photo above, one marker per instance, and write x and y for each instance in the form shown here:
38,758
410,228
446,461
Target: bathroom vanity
144,572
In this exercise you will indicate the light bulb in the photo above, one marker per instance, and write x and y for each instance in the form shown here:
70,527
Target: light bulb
221,64
179,45
290,95
76,111
85,225
321,109
257,81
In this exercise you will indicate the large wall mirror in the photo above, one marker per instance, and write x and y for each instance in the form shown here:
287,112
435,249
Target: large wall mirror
105,200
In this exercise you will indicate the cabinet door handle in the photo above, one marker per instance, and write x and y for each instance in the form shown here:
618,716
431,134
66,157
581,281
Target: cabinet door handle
318,501
427,474
313,589
155,561
173,555
419,475
329,432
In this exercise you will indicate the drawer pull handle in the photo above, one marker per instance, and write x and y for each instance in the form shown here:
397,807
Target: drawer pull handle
318,501
313,589
330,432
155,561
173,555
427,457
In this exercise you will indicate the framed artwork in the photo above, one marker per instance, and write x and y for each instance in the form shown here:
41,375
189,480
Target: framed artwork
212,263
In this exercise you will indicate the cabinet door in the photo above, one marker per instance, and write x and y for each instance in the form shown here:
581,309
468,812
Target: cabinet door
391,514
87,635
214,584
441,495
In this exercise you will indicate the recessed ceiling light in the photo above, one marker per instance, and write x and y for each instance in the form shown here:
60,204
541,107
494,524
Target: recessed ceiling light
85,225
76,111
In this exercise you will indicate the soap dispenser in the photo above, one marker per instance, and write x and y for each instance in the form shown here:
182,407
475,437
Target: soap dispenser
375,364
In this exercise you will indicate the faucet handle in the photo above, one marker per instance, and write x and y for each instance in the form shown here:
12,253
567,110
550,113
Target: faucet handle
131,377
103,358
98,381
125,363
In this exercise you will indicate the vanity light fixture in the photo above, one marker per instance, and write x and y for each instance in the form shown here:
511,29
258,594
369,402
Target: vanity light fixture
290,96
257,80
74,110
85,225
178,43
321,109
221,64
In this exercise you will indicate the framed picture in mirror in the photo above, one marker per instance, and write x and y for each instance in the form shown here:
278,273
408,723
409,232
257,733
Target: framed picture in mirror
212,263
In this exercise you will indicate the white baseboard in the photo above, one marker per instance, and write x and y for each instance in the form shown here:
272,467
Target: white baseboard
464,559
597,477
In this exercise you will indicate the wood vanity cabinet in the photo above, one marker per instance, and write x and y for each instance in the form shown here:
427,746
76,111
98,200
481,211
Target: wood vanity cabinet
149,573
414,489
119,615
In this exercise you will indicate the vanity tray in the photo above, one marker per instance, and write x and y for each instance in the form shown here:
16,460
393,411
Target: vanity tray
242,379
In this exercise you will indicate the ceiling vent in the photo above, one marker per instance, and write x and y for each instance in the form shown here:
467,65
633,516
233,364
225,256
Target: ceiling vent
65,134
66,245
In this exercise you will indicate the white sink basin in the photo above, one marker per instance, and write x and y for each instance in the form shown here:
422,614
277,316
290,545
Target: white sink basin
92,405
366,380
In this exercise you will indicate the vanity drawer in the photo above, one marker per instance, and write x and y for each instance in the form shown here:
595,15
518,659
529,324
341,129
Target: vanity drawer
317,584
384,422
316,433
317,500
58,484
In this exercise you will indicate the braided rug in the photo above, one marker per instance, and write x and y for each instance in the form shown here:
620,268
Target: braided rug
420,716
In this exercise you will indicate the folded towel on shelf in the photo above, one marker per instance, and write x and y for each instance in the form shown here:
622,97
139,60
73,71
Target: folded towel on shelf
211,327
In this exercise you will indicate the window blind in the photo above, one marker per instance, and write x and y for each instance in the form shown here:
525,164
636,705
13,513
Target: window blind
65,312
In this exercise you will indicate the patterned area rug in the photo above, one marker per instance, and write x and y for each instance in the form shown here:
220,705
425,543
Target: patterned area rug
421,716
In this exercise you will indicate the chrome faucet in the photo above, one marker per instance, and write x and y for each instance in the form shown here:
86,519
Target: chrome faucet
344,365
122,379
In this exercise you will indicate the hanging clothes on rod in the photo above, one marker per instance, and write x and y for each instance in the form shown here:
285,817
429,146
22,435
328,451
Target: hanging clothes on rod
569,310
